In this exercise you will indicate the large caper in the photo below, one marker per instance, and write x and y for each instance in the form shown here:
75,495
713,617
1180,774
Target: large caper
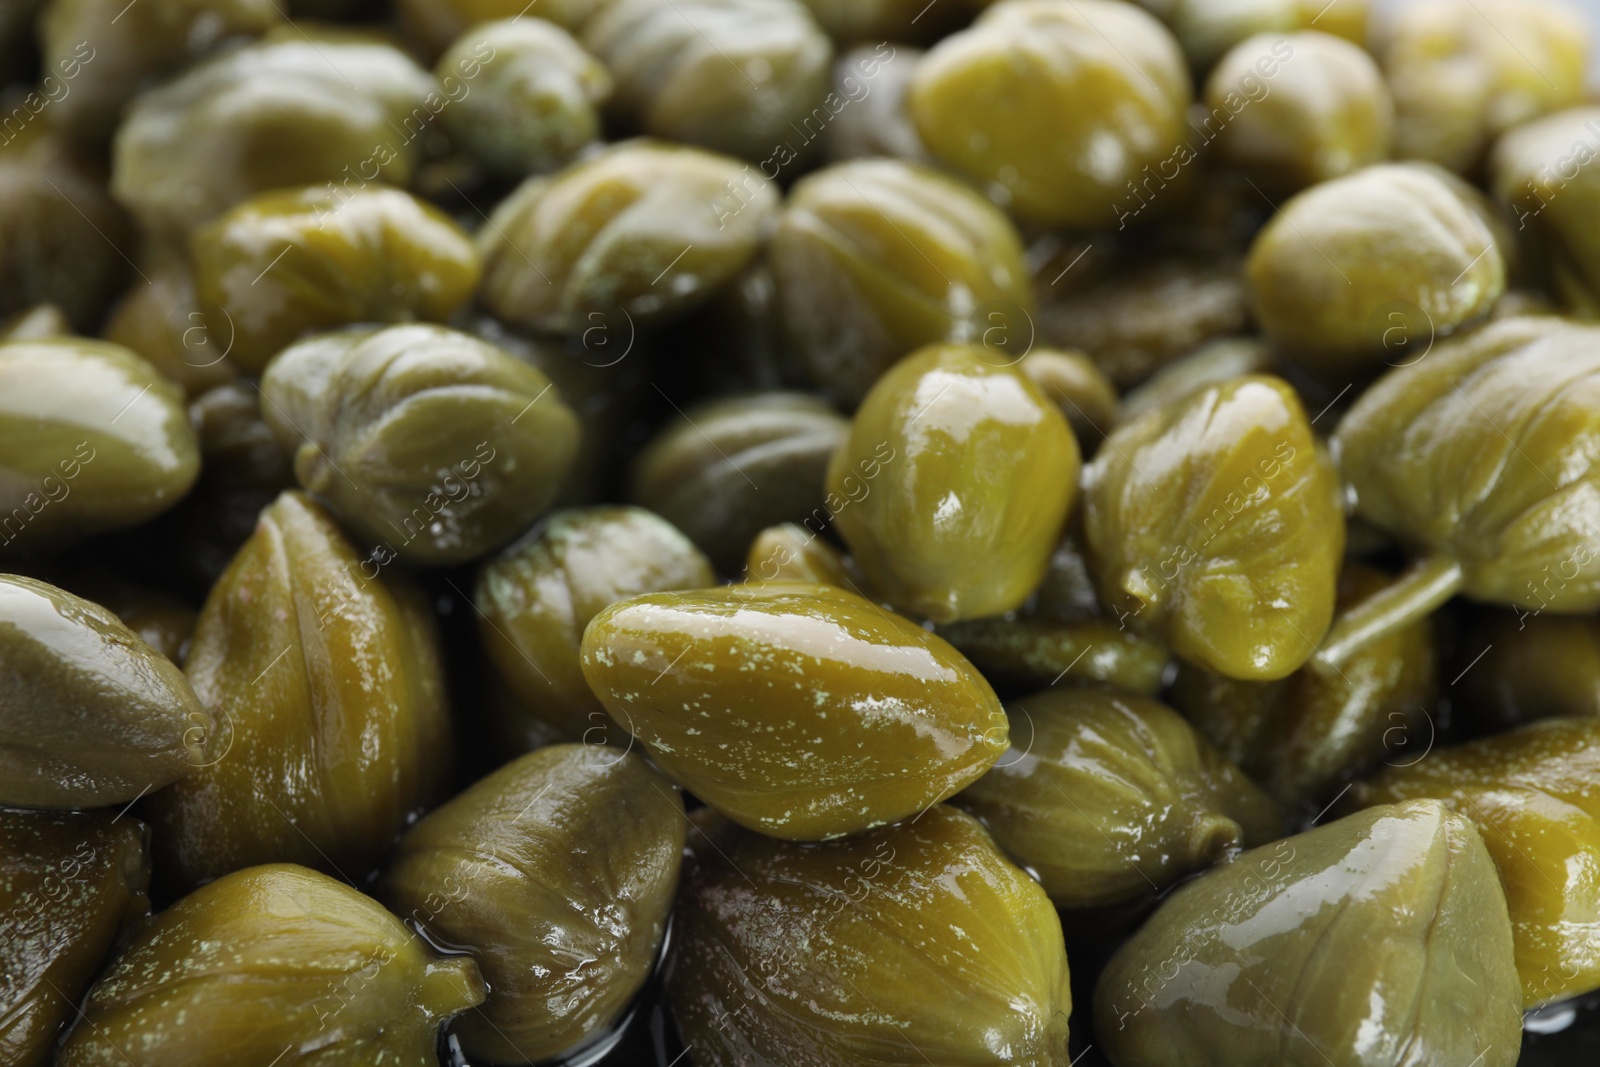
1296,952
557,872
954,484
274,961
632,236
90,714
70,883
432,444
325,672
91,439
799,710
536,599
876,258
1215,521
287,263
912,944
1110,797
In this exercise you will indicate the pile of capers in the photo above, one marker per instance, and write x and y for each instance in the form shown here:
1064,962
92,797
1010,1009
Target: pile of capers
637,533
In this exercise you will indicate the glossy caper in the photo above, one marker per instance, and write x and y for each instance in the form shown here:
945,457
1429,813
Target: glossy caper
954,484
796,709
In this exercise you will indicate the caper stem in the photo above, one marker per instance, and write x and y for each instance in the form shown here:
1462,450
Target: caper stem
1427,584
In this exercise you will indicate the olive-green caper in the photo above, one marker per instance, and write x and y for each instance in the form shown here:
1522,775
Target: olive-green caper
1350,264
1110,797
875,80
1055,106
789,552
91,439
1542,173
161,321
1522,669
1534,794
569,853
285,112
535,599
273,961
796,709
105,52
1379,939
158,618
90,714
645,229
1324,112
1146,315
912,944
533,101
1216,522
1460,78
1072,381
726,470
61,236
954,484
70,883
325,672
878,257
1305,735
432,444
290,262
745,77
1478,458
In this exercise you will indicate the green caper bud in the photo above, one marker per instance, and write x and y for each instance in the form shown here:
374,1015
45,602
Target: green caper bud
287,263
1348,269
1210,364
91,439
510,870
273,961
287,111
1056,106
644,229
878,257
800,710
1147,315
105,53
90,715
1110,798
1533,795
726,470
532,100
1216,522
954,484
1459,83
61,236
70,884
325,671
789,552
1317,108
536,598
429,443
1303,736
913,943
745,77
160,620
1292,927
